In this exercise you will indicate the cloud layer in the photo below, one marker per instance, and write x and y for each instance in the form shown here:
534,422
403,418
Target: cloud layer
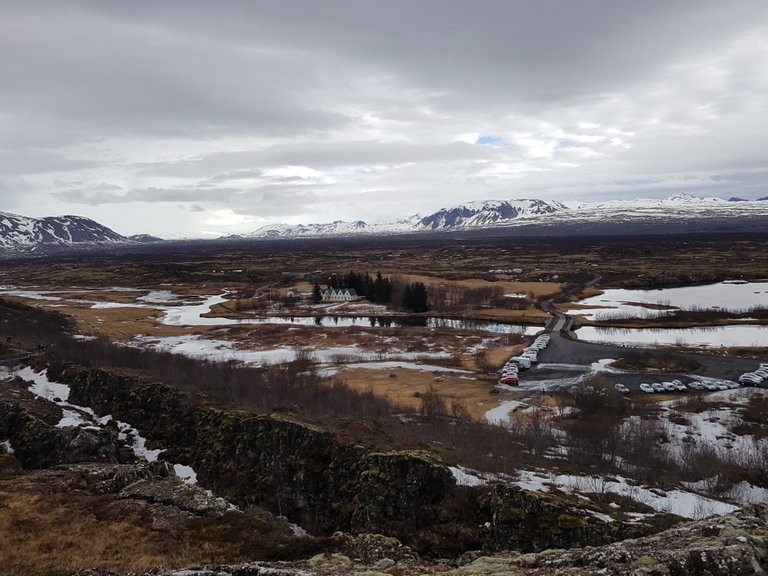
187,118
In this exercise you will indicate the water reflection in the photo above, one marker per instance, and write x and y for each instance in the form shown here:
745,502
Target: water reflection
748,335
396,322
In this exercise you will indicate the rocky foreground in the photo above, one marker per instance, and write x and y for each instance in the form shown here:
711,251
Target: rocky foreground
730,545
74,499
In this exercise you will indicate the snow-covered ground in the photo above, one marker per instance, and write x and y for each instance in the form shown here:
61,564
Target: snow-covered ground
82,416
723,295
500,415
680,502
351,356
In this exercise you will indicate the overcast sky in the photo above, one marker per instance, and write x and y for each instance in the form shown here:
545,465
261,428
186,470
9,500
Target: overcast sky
191,118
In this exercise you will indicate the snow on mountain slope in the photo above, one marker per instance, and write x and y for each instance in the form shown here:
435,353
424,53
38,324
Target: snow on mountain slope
488,213
24,233
496,213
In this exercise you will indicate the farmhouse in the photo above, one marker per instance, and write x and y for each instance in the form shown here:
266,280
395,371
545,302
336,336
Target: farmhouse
301,294
339,295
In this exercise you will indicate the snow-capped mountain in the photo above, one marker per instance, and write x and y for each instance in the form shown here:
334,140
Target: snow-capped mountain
488,213
24,233
337,228
505,213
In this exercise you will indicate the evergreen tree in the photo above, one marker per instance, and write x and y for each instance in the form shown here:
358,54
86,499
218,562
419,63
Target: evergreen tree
408,297
419,296
317,295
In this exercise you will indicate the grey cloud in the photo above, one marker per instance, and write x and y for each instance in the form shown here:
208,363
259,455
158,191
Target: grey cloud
115,195
186,105
317,155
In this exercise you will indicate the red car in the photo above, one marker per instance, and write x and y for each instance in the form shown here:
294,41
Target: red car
509,380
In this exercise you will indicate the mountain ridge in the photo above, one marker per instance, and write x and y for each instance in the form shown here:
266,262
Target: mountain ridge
504,213
26,233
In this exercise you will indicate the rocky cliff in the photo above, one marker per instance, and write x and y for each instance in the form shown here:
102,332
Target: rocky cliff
304,472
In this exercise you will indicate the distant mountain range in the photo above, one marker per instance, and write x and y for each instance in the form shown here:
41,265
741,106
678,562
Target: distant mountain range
21,233
504,213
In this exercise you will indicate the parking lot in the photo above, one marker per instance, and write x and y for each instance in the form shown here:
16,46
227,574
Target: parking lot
565,362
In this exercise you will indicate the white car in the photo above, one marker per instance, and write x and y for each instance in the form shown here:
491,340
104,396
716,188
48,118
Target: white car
731,385
750,379
762,373
621,389
669,386
710,386
657,387
679,386
646,388
695,385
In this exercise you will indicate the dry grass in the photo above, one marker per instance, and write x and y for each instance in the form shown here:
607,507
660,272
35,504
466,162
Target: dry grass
538,289
52,529
403,387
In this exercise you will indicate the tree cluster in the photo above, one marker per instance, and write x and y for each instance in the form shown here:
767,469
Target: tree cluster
415,297
378,289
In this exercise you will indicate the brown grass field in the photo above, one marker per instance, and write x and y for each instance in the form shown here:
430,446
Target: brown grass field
51,524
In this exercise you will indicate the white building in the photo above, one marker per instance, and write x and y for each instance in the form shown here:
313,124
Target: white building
339,295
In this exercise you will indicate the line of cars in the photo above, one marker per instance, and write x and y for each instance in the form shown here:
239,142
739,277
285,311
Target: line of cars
755,378
530,355
678,386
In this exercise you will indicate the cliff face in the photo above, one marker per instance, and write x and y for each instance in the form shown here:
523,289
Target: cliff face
305,473
38,444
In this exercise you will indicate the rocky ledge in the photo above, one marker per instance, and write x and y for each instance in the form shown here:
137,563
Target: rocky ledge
730,545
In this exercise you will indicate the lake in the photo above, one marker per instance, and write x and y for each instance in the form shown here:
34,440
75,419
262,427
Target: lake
623,303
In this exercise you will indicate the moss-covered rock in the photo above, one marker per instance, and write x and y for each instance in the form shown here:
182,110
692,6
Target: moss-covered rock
38,444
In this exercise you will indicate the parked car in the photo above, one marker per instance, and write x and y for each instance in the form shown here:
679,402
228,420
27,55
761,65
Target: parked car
669,386
761,372
750,379
647,388
621,388
510,380
695,385
521,361
657,387
679,386
721,385
710,386
731,385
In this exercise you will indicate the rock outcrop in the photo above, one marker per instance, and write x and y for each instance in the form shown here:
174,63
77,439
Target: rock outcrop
731,545
305,473
38,444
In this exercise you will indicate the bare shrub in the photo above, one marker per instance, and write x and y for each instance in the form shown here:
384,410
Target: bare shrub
458,410
483,361
597,396
432,403
640,445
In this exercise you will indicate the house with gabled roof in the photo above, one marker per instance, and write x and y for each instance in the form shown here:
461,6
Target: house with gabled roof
339,295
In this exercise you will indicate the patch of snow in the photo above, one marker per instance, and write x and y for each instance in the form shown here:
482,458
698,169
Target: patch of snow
73,418
391,365
186,473
6,444
746,493
464,478
41,386
679,502
500,415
